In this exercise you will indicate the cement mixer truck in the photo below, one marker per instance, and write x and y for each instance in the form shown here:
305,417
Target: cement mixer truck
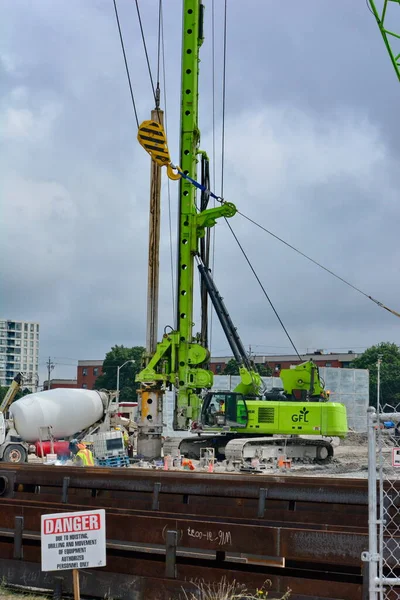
66,413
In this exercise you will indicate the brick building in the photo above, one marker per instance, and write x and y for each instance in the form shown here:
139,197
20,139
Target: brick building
60,383
284,361
87,373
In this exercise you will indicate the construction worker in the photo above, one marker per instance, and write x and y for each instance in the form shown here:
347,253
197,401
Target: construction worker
126,438
125,435
82,456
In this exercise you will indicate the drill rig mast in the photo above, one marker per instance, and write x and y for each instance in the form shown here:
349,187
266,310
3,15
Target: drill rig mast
178,357
178,360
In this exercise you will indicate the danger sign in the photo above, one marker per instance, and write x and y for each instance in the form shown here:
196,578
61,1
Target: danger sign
396,457
73,540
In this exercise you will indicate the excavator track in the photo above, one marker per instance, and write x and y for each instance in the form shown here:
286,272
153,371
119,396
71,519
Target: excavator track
267,448
190,446
236,449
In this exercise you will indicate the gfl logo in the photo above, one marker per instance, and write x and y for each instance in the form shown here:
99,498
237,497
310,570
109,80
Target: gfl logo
301,417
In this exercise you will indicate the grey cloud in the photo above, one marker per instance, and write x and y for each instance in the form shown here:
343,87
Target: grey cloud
310,153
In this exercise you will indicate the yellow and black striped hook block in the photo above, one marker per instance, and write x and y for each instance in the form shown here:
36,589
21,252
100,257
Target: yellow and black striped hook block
151,136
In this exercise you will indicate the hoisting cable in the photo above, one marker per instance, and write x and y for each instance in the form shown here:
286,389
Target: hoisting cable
213,153
158,53
223,106
146,53
156,95
152,137
161,22
263,289
126,63
219,199
213,88
161,155
320,265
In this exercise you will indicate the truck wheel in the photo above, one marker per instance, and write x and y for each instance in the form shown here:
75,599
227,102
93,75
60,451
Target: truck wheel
14,454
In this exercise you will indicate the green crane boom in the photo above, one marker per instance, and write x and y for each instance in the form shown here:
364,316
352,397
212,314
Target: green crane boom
188,239
381,17
178,357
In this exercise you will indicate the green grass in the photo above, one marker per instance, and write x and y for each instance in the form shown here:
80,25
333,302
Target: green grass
230,590
16,592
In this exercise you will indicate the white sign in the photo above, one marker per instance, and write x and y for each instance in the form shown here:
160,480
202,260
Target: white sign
396,457
73,540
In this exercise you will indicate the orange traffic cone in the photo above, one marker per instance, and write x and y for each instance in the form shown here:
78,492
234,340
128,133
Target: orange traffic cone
284,462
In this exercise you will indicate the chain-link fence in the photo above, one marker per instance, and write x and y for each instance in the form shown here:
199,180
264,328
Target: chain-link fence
384,503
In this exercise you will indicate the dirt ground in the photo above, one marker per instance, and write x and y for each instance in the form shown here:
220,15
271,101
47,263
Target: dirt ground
350,460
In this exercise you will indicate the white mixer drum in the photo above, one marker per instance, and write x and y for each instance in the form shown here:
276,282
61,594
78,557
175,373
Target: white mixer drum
66,411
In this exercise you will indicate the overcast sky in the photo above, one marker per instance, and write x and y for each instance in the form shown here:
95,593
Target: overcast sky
312,153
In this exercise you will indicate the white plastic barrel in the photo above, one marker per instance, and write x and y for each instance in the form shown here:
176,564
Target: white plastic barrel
66,411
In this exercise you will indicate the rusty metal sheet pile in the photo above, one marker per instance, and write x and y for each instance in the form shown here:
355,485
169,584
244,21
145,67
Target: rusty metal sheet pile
302,533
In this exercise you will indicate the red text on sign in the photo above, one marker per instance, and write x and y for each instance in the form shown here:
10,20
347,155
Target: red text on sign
72,524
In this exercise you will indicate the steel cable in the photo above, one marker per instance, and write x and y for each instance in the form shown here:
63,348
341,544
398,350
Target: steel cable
126,63
263,289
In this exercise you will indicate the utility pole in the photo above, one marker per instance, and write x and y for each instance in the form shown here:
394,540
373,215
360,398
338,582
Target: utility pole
50,367
378,384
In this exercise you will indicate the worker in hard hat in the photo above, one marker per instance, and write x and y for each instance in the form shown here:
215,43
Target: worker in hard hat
125,436
82,456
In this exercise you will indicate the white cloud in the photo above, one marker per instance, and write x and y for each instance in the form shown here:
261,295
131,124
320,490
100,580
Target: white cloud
21,124
18,123
38,222
19,93
8,62
279,149
327,187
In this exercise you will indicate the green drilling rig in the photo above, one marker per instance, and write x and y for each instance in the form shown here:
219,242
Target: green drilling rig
180,360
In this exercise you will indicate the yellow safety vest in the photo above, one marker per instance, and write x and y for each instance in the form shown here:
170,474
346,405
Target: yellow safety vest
86,457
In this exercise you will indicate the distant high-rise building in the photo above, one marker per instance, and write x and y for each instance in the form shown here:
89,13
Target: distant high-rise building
19,351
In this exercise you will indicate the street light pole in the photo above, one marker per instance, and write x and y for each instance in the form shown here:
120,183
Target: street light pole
118,370
378,384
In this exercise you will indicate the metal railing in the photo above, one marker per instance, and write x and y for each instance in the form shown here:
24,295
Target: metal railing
384,505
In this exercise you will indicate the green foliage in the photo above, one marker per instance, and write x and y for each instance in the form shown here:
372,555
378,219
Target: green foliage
231,590
264,370
390,372
232,368
4,390
116,357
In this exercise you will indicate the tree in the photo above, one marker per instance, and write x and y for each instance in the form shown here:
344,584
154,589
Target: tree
264,370
390,372
232,368
115,358
4,390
